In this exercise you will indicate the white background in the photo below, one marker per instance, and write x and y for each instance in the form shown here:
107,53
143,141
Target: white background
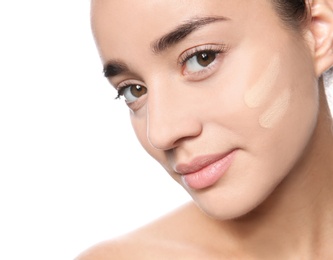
71,170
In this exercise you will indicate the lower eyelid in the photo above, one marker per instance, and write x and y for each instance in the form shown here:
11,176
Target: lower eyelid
136,105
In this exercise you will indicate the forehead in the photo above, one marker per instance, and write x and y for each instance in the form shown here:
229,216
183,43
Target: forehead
164,13
138,23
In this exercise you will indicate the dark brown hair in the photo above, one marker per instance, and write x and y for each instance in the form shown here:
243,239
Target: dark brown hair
294,13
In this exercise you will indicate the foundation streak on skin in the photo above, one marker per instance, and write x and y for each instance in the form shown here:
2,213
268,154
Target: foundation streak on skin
276,111
260,92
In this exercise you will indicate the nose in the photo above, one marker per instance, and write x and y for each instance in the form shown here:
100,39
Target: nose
172,116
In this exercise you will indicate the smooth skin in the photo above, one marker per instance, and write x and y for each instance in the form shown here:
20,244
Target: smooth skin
275,201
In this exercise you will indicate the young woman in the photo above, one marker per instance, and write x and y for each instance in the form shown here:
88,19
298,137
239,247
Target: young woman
228,96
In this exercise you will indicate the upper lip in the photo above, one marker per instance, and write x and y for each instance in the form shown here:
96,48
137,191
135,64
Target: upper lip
199,163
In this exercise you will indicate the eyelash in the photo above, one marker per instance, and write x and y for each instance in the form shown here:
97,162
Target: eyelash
119,94
212,49
122,87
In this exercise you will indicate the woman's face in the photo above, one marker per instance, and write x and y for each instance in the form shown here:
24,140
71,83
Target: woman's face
220,93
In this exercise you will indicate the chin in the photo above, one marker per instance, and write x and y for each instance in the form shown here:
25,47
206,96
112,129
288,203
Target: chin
228,208
223,214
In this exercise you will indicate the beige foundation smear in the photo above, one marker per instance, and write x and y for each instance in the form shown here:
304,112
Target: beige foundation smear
276,111
261,90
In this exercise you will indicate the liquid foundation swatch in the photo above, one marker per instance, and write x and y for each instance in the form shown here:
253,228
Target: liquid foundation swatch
276,111
259,93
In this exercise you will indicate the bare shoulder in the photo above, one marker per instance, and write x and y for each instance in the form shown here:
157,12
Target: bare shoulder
174,236
105,250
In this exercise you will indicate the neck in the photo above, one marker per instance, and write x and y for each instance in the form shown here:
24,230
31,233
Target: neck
298,216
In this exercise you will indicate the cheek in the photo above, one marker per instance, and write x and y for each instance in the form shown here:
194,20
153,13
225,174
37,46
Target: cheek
267,95
286,114
250,98
277,110
260,91
139,123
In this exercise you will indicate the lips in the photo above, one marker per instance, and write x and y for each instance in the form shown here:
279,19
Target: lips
205,171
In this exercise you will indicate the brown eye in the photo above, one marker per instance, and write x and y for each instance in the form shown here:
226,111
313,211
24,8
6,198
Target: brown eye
205,58
133,92
137,90
200,60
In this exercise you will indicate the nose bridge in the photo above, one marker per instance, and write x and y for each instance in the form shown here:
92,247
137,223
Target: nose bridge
170,115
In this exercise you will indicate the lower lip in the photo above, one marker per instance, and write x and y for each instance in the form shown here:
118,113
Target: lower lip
209,175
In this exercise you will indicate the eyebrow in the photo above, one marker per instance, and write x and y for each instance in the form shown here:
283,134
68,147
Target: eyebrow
114,68
182,31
